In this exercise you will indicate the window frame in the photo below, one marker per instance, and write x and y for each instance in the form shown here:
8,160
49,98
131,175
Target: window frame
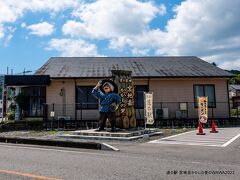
78,104
195,100
136,97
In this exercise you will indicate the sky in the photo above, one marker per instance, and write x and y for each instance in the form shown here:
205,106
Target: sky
32,31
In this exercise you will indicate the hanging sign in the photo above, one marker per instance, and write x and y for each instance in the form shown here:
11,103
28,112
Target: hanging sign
203,109
52,113
148,108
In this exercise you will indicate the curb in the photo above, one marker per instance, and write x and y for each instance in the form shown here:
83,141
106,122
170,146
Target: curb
47,142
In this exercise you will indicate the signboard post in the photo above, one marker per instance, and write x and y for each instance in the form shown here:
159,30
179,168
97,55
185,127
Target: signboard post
148,108
203,109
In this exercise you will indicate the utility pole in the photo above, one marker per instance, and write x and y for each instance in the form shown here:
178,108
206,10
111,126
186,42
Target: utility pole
4,99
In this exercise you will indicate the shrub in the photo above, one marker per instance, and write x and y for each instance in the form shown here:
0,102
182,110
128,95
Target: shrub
234,112
11,115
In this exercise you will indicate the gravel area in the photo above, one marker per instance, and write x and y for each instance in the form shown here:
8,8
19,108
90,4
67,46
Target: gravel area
25,133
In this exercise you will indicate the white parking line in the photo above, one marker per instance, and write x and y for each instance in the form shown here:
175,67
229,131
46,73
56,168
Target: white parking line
178,134
231,140
171,136
188,143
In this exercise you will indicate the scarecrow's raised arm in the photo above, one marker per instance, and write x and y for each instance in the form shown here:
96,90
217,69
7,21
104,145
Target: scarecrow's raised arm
96,93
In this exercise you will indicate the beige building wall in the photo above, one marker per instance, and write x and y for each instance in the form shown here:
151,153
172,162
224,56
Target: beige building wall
53,96
173,91
168,91
59,92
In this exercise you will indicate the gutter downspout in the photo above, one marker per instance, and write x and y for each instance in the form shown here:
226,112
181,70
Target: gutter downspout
75,86
228,99
148,83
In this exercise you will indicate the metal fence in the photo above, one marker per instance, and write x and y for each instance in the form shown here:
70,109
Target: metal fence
166,114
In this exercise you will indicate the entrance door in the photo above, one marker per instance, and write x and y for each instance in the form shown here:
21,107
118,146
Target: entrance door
36,98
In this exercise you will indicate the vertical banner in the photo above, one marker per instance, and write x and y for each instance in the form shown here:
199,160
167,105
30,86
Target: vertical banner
148,108
203,109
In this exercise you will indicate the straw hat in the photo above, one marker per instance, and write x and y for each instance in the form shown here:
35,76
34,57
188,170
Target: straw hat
109,82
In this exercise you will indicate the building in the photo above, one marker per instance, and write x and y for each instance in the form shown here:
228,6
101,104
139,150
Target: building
175,81
234,95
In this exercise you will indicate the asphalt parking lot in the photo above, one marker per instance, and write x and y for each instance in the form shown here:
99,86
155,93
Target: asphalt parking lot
223,138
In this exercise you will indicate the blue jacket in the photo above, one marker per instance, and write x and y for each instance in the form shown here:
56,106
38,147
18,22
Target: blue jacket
106,100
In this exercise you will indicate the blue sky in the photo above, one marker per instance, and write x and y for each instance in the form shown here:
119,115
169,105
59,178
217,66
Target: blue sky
31,31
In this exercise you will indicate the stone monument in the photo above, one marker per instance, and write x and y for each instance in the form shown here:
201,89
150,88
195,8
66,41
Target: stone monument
125,113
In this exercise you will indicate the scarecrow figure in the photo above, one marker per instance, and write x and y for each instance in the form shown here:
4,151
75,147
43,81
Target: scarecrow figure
106,90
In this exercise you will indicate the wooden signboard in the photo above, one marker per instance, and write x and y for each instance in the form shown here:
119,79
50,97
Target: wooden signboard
203,109
125,114
148,108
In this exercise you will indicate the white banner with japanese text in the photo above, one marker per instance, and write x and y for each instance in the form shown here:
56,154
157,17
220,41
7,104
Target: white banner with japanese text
148,107
203,109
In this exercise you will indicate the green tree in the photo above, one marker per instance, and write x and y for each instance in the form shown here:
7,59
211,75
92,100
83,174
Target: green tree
21,100
235,80
1,82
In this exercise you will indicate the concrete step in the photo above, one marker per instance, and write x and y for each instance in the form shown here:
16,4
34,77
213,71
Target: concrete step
107,133
127,135
118,133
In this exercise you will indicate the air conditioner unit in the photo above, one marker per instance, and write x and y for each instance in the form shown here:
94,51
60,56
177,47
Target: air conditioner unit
66,118
161,113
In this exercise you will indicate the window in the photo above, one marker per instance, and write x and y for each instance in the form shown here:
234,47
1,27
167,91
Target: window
139,96
36,97
205,90
84,99
237,92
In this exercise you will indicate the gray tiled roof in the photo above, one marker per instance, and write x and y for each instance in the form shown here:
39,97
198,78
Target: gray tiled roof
237,87
179,66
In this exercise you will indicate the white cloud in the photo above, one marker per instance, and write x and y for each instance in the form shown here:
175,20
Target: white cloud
1,31
41,29
11,10
162,9
16,7
106,19
71,47
209,29
74,28
6,34
7,13
119,43
234,64
10,30
142,52
23,25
